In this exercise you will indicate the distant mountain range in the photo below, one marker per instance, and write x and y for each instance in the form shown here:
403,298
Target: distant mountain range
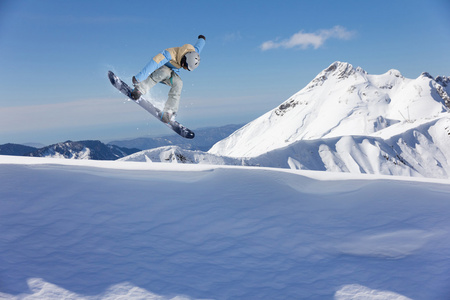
96,150
71,150
83,150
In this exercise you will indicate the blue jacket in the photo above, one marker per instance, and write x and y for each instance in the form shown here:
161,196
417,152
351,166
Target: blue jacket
170,57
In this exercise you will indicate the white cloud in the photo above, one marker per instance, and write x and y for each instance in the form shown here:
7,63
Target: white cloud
304,40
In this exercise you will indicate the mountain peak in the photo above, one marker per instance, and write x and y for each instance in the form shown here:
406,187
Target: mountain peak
339,70
395,73
427,75
342,70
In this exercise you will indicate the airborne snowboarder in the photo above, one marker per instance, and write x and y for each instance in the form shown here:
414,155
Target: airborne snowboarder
164,68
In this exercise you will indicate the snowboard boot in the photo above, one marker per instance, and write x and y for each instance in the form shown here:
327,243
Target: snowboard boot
136,93
166,116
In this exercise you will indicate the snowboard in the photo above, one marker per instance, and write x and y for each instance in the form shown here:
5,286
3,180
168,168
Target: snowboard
148,106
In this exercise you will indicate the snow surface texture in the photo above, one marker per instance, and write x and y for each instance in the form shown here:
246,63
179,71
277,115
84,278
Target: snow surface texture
111,229
349,121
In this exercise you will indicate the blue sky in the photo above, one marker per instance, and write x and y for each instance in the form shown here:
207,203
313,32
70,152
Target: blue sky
54,57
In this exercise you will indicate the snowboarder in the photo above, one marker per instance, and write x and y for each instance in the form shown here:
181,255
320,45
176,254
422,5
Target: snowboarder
164,68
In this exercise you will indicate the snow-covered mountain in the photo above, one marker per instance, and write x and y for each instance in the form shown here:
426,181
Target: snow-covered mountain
176,154
205,138
345,120
421,151
83,150
342,101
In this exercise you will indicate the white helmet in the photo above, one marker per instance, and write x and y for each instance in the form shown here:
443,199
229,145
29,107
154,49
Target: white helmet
192,60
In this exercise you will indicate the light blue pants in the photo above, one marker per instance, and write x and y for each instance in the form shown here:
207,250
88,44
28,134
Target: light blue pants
169,77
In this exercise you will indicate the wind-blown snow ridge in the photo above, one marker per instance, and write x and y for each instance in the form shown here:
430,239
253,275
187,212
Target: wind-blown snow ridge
44,290
48,291
340,101
358,292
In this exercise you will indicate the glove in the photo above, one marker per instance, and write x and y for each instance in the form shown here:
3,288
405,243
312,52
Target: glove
202,37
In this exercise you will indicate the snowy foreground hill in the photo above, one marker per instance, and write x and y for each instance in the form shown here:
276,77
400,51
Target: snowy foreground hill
76,229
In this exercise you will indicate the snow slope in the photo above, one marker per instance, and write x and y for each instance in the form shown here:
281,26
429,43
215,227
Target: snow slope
109,229
176,154
418,150
341,101
422,151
